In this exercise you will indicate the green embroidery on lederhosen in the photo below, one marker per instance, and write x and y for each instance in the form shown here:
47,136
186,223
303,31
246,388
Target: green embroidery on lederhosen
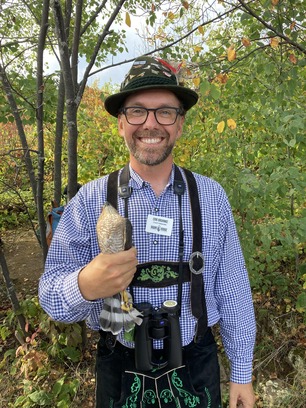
157,273
166,396
190,400
149,398
208,397
131,401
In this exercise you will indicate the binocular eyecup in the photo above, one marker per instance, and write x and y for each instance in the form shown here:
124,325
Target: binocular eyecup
158,324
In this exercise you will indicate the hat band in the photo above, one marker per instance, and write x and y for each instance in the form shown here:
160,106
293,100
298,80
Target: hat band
147,81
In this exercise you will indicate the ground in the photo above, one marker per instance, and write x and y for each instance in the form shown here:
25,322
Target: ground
24,260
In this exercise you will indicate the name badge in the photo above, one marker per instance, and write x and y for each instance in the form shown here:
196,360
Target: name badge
159,225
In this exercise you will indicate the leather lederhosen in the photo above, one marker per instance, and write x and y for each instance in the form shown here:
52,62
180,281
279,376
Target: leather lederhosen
195,384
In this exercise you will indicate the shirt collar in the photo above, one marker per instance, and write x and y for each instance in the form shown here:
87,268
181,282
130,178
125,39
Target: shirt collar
137,182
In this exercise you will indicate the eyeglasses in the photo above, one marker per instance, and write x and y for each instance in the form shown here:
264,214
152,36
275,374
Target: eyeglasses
136,115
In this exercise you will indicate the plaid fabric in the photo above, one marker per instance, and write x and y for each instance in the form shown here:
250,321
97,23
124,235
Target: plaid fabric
227,289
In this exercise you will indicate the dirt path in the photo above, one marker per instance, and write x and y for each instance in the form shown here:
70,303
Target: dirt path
24,260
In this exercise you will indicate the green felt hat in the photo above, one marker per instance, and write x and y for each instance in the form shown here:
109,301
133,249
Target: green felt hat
150,73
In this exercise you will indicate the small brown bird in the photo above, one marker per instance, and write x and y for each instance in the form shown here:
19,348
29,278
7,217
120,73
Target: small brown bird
114,234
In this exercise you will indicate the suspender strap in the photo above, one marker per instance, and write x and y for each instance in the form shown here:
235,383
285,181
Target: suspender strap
112,189
179,190
198,304
124,190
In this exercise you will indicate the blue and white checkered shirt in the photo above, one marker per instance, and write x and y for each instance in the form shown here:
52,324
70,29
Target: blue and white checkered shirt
227,288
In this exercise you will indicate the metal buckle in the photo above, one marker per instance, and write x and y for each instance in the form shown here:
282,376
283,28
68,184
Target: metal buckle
125,191
191,262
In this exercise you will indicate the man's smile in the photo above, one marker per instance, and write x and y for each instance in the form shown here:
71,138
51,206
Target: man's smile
150,140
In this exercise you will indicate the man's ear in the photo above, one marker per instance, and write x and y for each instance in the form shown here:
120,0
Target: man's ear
120,125
180,127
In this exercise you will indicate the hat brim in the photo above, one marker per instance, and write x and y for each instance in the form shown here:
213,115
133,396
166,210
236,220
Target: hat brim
187,96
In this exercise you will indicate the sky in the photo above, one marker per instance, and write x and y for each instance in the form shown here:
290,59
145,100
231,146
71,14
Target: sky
114,75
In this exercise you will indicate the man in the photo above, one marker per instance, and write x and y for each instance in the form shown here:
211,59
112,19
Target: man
196,254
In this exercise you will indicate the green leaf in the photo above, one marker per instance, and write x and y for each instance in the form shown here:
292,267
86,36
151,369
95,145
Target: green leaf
215,92
40,397
57,387
72,353
301,303
204,86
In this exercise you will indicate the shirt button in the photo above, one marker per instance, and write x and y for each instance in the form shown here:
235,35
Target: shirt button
156,209
155,242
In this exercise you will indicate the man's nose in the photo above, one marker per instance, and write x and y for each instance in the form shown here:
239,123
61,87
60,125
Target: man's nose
151,120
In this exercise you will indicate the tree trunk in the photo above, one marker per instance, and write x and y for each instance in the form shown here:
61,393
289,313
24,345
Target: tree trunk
58,146
40,127
15,111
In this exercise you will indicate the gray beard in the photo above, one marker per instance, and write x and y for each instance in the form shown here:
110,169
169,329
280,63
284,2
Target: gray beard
148,156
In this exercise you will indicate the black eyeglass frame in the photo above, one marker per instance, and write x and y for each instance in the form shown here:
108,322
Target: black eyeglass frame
179,111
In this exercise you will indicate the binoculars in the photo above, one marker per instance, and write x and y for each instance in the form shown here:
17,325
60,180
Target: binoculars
158,324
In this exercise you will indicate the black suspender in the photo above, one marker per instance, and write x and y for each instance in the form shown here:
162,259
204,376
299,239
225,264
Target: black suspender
198,304
123,190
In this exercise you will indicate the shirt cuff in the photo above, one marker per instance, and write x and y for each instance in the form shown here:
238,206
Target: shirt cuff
73,296
241,372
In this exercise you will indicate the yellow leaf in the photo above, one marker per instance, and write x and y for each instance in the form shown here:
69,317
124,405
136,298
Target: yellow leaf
274,42
231,124
171,15
220,126
201,30
127,19
275,2
231,53
196,81
197,48
246,42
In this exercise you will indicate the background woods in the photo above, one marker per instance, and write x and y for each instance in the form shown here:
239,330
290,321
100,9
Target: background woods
247,61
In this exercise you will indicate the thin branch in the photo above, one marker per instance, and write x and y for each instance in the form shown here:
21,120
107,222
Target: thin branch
18,149
219,17
101,38
76,40
267,25
238,60
21,132
15,191
12,293
93,17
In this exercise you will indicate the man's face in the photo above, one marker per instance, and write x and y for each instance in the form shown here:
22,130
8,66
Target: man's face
151,143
